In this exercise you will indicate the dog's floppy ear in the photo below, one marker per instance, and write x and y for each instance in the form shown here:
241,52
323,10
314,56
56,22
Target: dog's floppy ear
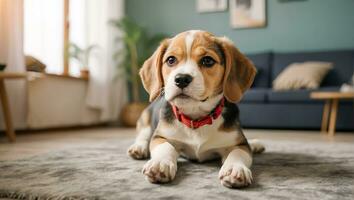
150,73
239,71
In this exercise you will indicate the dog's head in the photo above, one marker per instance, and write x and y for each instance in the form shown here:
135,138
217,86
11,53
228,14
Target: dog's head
196,66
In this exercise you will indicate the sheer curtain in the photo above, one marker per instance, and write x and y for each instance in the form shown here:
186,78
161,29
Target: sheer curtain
11,53
89,26
44,31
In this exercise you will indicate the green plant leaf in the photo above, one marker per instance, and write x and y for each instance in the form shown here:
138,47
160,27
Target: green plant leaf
138,46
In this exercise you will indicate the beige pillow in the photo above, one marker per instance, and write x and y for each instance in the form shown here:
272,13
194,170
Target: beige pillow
33,64
307,75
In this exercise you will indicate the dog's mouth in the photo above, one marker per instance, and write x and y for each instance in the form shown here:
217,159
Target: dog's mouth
186,97
183,96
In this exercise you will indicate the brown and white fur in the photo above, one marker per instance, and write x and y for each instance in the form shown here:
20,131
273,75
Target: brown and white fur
225,73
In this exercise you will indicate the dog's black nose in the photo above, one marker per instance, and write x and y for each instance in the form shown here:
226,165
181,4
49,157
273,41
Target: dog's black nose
183,80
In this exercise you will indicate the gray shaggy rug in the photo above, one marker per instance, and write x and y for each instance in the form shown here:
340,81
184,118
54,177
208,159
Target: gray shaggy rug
287,170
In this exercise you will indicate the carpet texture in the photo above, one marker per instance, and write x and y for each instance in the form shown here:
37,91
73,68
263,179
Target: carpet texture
287,170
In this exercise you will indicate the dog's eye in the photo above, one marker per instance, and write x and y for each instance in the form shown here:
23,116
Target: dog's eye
207,61
171,61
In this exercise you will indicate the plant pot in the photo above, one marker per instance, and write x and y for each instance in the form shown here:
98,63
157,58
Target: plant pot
131,112
84,73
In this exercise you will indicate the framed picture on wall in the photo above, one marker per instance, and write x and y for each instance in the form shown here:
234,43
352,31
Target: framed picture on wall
248,14
204,6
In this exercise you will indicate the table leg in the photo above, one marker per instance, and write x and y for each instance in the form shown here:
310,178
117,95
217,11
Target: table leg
325,115
333,117
6,111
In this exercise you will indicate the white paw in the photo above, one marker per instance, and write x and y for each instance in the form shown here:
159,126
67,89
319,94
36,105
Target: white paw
139,150
256,146
160,171
235,176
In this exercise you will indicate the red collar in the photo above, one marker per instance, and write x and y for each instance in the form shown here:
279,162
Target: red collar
194,124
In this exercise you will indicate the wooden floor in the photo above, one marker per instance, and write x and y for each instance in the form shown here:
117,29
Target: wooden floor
39,142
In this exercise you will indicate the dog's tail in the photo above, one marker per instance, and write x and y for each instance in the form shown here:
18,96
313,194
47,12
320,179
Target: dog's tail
256,146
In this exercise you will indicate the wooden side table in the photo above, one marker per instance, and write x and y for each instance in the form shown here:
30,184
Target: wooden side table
5,102
330,109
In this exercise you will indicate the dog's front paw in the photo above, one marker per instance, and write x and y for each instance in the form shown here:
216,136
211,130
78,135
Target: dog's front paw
160,171
139,150
235,176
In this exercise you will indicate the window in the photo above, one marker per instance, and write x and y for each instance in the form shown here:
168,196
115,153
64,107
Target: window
46,35
43,32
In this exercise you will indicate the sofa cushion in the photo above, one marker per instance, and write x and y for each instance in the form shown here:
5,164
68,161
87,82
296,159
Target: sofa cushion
255,95
306,75
297,96
262,61
257,82
343,64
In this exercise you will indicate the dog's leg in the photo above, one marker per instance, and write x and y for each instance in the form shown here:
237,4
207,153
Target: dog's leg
140,148
235,171
162,166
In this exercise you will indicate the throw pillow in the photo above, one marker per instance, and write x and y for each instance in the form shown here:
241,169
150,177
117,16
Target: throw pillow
307,75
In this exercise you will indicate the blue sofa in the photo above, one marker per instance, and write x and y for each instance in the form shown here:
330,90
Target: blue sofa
262,107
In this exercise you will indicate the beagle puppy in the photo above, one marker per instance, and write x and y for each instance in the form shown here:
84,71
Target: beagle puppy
194,81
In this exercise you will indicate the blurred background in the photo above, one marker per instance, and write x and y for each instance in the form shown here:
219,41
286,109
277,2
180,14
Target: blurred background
74,63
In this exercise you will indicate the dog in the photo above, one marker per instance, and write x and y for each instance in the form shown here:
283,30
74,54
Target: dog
194,81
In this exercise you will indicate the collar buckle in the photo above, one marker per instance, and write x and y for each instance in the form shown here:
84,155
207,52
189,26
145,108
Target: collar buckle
192,125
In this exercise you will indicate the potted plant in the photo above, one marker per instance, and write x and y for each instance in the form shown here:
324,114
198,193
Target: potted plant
82,56
138,46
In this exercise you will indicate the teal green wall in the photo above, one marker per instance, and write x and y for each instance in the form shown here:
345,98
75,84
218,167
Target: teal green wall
295,26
